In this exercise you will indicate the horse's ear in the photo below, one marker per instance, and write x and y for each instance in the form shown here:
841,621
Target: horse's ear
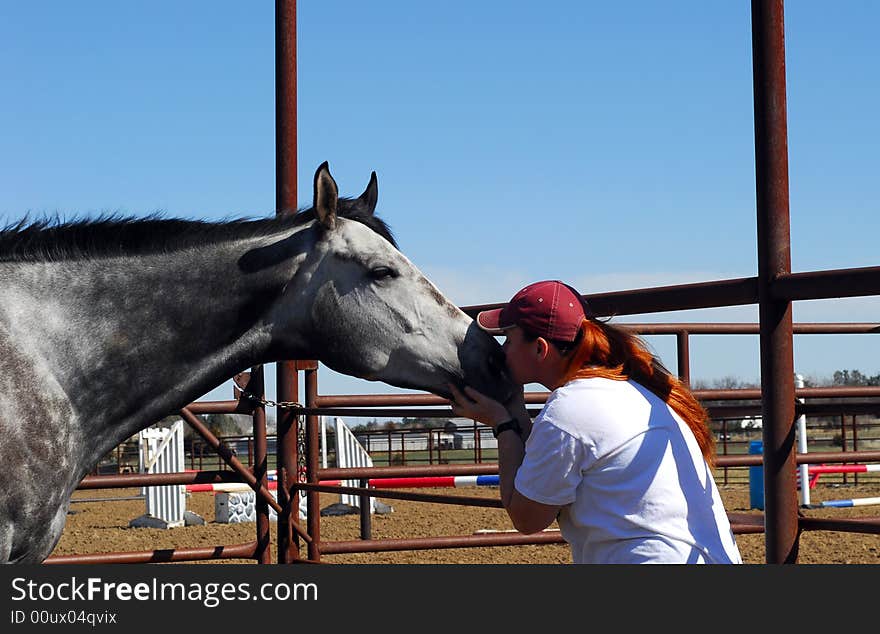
326,196
371,194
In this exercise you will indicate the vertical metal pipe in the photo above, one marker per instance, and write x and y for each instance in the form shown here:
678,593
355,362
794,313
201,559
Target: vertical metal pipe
774,260
287,461
286,377
285,106
684,363
855,443
843,440
256,386
366,504
312,498
478,455
724,432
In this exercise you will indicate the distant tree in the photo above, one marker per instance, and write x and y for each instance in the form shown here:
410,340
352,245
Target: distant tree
410,422
227,424
724,383
854,378
728,383
811,381
271,423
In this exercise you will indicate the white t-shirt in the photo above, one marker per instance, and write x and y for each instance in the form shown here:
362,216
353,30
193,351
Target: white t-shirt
629,475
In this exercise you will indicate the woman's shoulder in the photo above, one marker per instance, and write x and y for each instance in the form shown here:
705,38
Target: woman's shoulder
585,392
599,394
593,387
593,408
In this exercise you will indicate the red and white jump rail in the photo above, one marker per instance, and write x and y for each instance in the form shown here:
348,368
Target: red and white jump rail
815,471
845,468
376,483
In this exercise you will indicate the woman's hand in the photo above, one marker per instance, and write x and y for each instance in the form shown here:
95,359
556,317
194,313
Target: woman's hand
478,406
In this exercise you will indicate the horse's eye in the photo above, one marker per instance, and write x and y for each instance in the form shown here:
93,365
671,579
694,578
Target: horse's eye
382,272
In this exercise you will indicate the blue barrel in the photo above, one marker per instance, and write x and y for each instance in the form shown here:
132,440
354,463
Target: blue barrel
756,477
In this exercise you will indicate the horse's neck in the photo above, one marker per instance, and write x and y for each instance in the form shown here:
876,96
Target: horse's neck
133,339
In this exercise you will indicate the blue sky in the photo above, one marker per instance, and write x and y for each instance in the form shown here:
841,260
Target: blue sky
607,144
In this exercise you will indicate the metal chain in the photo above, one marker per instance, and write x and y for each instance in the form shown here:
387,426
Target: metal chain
301,449
300,426
265,401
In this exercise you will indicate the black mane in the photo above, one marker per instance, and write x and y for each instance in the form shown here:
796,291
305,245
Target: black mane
113,235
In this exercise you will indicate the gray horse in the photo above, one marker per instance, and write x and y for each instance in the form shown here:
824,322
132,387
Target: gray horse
106,326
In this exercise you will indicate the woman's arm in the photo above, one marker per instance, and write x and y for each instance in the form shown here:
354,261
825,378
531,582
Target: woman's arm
527,515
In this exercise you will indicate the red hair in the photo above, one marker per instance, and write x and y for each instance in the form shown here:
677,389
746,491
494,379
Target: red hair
610,352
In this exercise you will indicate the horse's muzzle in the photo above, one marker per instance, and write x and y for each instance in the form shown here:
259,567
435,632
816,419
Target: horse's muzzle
489,373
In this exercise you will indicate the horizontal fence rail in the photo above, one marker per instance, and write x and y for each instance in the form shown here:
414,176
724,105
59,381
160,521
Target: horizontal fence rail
854,282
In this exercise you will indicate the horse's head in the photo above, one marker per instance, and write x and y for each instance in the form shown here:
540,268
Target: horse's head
367,311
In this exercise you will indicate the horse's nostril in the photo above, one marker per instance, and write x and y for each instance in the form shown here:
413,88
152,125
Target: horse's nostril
496,364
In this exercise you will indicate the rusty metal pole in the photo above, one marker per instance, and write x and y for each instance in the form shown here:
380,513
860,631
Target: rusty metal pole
287,459
774,261
312,499
855,443
286,377
843,439
366,507
285,106
263,554
684,357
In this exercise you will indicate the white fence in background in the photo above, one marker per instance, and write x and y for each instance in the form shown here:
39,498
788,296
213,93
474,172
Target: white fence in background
161,451
804,469
349,453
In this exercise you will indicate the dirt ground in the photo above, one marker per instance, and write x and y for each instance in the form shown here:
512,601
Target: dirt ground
94,527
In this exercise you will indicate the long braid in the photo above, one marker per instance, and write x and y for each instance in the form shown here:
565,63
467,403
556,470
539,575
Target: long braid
613,353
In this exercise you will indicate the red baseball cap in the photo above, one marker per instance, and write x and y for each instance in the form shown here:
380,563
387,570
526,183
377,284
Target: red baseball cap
549,309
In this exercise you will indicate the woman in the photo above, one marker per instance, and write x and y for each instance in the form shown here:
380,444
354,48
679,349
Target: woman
621,454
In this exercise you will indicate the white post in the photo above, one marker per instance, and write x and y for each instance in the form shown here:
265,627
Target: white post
804,469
